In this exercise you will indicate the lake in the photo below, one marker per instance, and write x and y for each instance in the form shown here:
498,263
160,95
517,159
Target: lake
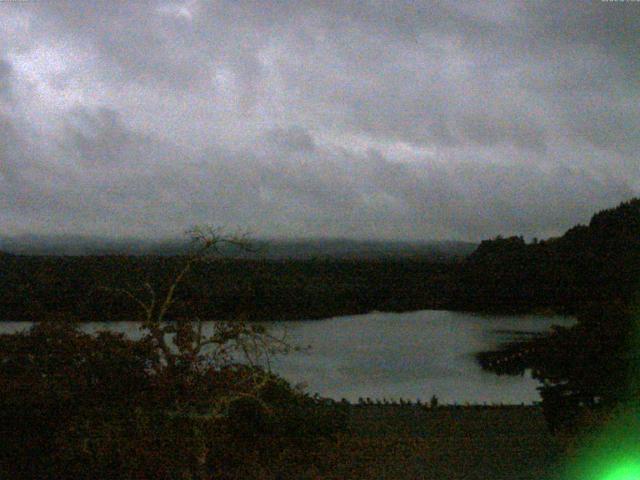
410,355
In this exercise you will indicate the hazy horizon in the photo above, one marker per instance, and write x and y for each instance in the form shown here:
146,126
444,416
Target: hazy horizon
269,248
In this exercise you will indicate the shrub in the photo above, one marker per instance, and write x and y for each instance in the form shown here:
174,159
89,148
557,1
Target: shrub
173,404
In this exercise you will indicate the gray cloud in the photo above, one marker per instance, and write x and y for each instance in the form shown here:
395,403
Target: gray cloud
5,79
9,148
359,119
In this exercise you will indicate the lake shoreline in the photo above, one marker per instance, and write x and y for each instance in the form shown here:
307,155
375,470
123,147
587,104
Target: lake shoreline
412,355
335,313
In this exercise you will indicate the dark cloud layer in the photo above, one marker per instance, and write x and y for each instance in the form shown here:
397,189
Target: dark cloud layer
401,120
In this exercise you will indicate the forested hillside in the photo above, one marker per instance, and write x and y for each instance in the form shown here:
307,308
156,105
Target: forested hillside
594,272
594,263
87,288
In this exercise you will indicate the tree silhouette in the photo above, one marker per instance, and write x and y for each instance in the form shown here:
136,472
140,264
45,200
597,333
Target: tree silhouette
176,403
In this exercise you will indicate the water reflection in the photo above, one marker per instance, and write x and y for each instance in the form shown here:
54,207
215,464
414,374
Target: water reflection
395,355
410,355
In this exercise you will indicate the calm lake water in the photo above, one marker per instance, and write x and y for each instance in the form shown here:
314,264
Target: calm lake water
395,355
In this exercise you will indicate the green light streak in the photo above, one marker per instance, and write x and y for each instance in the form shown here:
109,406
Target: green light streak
612,450
625,471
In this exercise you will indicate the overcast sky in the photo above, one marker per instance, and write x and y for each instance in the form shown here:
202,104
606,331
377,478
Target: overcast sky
377,120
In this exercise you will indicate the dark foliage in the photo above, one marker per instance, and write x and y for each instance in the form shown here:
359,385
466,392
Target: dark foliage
75,405
78,287
592,270
592,365
594,264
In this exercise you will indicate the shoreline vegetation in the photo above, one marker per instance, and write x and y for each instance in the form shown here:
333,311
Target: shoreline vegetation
594,264
34,287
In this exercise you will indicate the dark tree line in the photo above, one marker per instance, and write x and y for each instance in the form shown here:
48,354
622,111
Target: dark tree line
33,287
597,263
593,271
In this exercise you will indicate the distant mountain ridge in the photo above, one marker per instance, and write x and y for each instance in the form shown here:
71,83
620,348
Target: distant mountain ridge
590,265
272,249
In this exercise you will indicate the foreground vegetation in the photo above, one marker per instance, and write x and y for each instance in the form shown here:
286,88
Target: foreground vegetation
175,403
85,407
81,406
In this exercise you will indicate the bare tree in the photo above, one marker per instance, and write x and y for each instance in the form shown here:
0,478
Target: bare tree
183,342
